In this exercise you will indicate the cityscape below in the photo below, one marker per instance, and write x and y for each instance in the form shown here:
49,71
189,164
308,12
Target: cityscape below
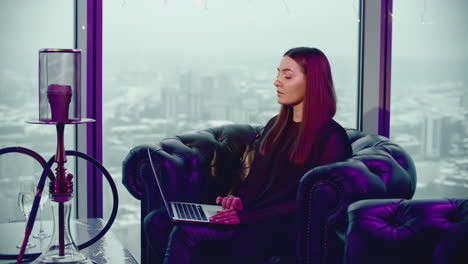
139,107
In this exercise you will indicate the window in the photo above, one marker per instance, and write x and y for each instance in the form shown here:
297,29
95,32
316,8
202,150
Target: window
171,67
26,27
430,93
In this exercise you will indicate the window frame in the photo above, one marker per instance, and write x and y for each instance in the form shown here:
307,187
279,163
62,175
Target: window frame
373,107
88,32
374,70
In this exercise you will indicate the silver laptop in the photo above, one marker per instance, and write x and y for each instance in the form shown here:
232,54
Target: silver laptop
185,212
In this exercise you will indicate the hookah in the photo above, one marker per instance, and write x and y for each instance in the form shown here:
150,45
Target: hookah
60,104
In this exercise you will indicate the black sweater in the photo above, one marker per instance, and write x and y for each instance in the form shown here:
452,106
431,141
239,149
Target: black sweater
269,191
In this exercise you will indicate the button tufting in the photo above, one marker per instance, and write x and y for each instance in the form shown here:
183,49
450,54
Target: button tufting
453,216
394,221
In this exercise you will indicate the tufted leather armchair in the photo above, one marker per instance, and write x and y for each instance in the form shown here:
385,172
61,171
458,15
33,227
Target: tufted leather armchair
389,231
200,166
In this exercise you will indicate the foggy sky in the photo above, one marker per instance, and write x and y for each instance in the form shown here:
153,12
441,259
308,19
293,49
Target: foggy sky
229,29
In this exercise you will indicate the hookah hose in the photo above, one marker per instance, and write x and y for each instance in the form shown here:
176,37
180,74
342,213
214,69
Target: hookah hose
30,153
47,172
40,187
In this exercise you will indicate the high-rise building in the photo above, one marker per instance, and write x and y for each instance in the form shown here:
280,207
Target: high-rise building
170,100
430,138
190,95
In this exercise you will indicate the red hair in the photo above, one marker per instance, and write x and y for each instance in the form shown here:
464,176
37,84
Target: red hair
319,104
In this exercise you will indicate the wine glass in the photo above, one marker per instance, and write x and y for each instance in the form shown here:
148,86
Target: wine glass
44,198
25,202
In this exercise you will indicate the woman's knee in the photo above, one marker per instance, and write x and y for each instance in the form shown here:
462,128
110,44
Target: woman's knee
194,235
184,234
255,244
158,219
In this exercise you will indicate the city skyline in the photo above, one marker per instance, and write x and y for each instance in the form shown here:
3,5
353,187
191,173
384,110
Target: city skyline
155,51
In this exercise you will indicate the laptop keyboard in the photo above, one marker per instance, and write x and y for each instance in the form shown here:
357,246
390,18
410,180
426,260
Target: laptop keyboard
190,211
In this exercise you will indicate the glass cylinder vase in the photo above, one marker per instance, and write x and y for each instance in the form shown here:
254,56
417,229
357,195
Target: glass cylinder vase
59,85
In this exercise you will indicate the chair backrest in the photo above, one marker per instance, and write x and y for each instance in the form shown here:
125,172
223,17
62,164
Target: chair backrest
224,154
194,166
386,159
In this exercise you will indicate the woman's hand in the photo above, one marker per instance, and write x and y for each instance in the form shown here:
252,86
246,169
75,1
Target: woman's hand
228,216
230,202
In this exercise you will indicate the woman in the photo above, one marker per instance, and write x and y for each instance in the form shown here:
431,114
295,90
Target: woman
259,220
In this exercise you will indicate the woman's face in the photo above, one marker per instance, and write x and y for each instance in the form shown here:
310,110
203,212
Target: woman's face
290,82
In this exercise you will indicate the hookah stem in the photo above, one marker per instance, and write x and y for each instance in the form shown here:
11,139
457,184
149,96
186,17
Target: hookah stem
61,230
60,180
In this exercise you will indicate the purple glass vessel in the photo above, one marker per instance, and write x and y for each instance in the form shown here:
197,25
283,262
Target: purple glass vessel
59,97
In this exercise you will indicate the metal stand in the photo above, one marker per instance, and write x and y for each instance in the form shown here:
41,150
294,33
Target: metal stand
62,248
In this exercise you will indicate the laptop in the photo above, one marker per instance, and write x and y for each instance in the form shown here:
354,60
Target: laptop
182,211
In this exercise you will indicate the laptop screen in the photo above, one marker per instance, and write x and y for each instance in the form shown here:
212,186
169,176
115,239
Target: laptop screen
169,211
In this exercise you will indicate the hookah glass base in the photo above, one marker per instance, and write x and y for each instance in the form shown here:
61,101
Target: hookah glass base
67,258
62,248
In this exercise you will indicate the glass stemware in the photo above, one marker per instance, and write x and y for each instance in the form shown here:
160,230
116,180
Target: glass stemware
44,198
25,202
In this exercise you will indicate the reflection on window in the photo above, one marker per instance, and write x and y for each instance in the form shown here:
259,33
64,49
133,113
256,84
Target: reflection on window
430,93
176,66
26,27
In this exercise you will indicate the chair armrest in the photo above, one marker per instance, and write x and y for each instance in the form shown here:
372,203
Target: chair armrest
137,177
378,168
323,196
183,171
131,166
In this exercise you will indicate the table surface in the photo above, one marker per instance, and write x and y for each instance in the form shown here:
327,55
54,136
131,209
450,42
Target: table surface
106,250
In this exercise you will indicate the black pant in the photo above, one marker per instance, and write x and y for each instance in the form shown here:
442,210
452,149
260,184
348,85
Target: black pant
214,243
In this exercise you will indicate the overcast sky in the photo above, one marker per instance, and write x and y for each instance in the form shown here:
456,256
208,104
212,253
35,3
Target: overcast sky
229,29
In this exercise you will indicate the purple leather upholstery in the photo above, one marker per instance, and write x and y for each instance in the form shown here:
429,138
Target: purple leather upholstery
194,167
400,231
378,168
200,166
